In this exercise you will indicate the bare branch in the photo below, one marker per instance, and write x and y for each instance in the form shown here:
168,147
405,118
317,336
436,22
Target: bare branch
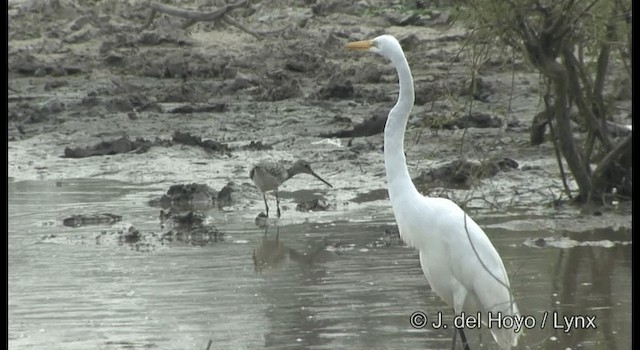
611,157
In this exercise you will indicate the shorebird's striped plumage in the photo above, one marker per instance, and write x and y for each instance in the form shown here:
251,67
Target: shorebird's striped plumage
268,176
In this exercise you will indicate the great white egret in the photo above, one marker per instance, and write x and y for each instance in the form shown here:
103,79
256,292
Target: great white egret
457,258
268,176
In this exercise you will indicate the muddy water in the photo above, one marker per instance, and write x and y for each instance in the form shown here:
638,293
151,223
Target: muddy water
67,292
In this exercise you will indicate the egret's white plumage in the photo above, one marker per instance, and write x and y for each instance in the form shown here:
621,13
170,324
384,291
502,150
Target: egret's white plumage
457,258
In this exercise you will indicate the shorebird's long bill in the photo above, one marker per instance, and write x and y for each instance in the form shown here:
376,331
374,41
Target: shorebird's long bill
319,178
360,45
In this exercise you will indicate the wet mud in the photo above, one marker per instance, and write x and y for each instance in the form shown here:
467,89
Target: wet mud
109,91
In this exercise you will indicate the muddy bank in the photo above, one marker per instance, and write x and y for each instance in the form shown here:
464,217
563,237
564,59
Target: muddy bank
209,100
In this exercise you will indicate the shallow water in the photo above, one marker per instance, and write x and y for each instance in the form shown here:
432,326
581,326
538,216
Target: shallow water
71,293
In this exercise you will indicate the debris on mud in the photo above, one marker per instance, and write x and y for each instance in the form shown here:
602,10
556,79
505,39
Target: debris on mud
461,174
390,238
313,205
127,235
339,247
104,148
474,120
91,219
566,242
186,138
256,146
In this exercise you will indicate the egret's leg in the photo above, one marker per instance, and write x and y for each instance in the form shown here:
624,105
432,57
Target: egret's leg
278,203
266,206
453,340
463,339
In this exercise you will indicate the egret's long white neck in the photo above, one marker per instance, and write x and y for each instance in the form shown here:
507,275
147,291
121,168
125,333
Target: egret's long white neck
394,160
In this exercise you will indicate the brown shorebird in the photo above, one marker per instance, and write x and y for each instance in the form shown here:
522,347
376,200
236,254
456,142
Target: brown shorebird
268,176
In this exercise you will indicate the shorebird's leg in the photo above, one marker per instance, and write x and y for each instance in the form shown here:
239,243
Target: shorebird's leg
264,196
278,203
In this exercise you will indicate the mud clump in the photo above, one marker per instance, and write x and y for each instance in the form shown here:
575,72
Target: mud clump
28,65
227,195
189,227
372,126
303,62
91,219
139,102
313,205
187,197
280,86
182,196
336,88
131,236
207,108
140,145
461,174
474,120
121,145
